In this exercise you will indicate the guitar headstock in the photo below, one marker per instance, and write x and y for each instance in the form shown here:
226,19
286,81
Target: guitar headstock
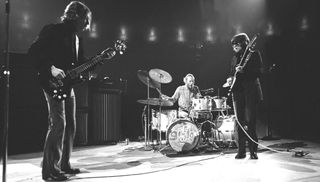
120,46
253,42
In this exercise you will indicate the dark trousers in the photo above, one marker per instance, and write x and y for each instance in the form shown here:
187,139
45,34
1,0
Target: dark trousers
60,135
245,107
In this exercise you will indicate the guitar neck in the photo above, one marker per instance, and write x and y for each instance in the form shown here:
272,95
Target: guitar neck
87,65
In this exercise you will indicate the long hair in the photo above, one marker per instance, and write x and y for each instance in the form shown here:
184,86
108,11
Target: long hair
241,38
76,10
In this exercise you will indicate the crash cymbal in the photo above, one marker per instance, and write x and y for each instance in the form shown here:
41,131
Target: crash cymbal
160,76
145,78
156,102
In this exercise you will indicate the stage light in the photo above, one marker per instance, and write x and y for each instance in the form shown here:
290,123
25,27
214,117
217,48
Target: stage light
238,29
93,33
181,35
304,24
152,35
270,29
25,21
123,33
209,35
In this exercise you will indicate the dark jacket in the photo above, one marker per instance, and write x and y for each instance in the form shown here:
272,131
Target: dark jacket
250,78
55,46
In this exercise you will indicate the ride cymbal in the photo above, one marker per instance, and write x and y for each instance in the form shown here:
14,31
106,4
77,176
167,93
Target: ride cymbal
160,76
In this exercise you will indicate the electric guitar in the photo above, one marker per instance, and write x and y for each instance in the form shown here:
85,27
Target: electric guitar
243,62
60,88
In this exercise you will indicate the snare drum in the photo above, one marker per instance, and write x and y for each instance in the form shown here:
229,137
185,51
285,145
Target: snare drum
202,104
161,121
183,135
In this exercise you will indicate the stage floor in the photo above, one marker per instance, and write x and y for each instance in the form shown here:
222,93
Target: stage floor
295,161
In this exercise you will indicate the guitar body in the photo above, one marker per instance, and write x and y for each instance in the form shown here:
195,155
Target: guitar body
60,88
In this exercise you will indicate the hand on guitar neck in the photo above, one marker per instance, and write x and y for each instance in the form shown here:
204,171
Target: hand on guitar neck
61,82
239,69
57,73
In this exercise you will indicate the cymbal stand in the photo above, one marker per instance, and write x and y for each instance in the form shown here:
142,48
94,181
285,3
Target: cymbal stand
147,121
160,107
160,139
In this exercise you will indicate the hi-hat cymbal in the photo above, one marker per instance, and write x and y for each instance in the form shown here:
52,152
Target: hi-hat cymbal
144,78
160,76
156,102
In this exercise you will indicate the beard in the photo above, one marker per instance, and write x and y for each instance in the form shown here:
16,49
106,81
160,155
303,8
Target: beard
191,86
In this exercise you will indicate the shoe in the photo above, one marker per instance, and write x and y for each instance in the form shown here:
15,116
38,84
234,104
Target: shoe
55,177
253,155
240,156
71,171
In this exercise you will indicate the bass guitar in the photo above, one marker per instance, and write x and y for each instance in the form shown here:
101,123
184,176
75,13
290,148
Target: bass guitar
60,88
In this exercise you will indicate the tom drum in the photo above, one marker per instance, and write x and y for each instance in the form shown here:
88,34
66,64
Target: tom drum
161,121
202,104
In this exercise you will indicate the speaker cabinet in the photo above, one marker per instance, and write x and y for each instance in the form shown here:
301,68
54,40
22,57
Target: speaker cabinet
81,137
82,114
105,115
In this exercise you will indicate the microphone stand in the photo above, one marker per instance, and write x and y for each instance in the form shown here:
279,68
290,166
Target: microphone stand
6,103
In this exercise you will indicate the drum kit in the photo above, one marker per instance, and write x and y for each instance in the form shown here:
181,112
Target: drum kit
208,122
153,79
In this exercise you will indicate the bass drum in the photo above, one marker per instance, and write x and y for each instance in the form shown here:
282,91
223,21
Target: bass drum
183,135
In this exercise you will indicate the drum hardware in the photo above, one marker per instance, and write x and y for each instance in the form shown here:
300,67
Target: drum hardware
198,115
153,102
184,135
144,78
161,77
207,129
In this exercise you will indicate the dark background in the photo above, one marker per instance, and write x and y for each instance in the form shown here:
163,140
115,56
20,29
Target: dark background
292,100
